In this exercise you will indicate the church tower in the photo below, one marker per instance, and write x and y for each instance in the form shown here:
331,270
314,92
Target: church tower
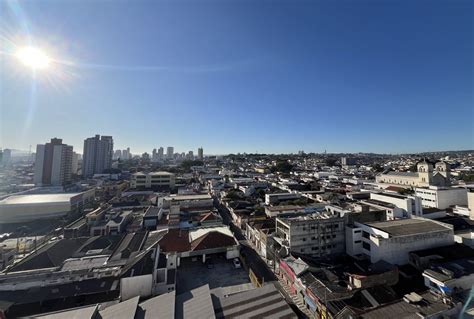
425,172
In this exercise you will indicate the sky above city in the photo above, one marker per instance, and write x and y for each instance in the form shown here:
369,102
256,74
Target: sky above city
240,76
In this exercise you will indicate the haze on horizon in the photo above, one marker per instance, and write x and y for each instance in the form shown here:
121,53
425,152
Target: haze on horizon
241,76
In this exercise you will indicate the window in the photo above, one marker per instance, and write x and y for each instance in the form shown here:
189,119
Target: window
313,238
314,248
357,231
304,239
366,235
366,246
357,241
302,250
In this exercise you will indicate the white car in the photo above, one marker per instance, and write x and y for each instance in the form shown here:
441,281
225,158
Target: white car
236,263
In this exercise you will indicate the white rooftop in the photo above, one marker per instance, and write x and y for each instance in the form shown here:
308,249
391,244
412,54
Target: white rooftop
194,234
38,198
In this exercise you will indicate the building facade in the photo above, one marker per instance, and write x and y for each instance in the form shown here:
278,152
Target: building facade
425,176
442,197
317,234
98,152
53,164
392,241
152,180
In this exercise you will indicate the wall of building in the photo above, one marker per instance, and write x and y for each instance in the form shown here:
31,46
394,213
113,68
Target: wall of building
136,286
396,250
442,198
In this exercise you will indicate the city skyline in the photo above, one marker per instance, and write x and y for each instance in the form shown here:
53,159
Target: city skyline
392,78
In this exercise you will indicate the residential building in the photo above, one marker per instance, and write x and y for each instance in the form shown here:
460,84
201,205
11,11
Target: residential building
272,199
442,197
153,180
392,241
75,163
186,201
53,164
316,234
170,152
97,156
161,153
7,156
425,176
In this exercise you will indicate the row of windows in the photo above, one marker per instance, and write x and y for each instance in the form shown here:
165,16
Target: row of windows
322,237
318,248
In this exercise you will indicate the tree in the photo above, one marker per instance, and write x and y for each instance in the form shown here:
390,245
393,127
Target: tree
187,164
282,167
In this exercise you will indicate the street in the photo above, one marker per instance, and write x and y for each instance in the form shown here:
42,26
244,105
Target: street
252,258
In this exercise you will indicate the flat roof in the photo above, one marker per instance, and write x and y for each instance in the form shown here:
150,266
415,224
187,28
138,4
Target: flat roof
189,197
409,226
152,173
38,198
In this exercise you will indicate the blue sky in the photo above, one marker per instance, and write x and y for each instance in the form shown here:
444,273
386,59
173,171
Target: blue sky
242,76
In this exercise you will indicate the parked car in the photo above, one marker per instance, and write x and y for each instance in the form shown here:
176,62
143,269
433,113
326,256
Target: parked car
236,263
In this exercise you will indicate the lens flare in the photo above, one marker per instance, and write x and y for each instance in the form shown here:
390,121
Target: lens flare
33,58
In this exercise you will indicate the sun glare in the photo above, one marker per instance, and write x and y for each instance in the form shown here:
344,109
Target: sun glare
33,58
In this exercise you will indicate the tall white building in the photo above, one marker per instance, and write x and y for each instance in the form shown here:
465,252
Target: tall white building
169,152
53,164
98,152
200,153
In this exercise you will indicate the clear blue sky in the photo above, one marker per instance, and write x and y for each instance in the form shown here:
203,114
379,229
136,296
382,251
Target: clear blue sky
242,76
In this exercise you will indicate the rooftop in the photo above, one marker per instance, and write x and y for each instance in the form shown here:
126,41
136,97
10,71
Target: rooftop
404,227
38,199
265,302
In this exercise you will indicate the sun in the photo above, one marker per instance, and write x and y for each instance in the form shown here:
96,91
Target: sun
33,57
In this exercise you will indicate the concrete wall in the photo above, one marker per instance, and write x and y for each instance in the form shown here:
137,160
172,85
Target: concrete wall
395,250
442,198
136,286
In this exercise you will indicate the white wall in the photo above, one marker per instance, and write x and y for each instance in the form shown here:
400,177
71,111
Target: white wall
136,286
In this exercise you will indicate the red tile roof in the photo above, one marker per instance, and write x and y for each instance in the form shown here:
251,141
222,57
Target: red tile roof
176,240
213,239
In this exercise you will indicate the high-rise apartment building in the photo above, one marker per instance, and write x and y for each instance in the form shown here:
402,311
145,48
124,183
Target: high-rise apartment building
53,164
7,156
200,153
170,152
98,152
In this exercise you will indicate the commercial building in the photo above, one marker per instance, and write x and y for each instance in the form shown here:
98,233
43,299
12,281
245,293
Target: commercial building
424,177
317,234
24,208
53,164
392,241
442,197
97,156
200,153
153,180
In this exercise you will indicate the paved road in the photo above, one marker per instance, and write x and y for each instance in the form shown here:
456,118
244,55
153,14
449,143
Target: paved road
253,259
